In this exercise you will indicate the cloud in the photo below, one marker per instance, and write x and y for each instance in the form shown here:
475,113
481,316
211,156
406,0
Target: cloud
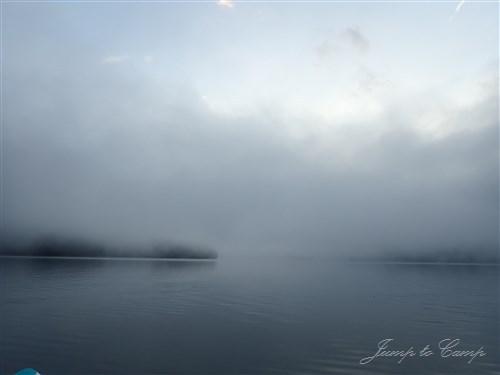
356,38
343,44
148,59
226,3
110,60
368,81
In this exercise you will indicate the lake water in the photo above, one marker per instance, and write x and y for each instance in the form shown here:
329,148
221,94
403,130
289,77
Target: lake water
89,316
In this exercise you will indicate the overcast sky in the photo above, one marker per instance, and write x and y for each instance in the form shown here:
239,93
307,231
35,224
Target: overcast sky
302,128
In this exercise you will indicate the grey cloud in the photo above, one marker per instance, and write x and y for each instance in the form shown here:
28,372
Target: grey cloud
344,43
368,80
356,39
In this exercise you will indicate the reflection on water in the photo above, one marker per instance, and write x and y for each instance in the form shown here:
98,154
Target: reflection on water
90,316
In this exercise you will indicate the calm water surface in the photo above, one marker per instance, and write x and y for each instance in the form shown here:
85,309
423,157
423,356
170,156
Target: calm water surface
67,316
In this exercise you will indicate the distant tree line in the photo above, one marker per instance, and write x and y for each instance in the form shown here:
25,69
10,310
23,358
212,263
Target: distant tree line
52,246
442,256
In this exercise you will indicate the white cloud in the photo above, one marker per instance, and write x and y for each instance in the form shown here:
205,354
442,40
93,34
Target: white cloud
226,3
113,60
148,59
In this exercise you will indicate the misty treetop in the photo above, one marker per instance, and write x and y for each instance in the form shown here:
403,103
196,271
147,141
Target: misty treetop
52,246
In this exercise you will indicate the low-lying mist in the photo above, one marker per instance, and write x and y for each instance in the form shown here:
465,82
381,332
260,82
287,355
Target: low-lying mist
170,168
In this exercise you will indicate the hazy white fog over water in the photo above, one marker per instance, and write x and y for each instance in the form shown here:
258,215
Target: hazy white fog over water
269,128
